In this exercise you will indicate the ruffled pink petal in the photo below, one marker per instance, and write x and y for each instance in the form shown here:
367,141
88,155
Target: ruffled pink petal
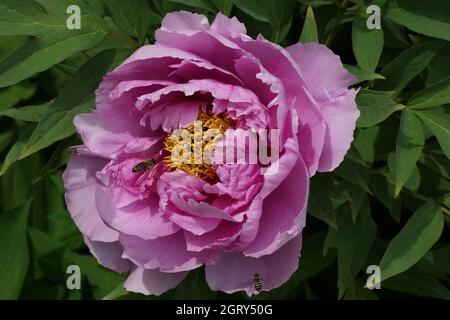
282,168
152,281
228,27
108,254
322,70
340,129
221,237
235,272
184,21
279,63
141,219
329,90
81,185
168,254
290,198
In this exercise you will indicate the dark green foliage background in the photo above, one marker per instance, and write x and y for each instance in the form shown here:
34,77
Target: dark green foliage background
388,204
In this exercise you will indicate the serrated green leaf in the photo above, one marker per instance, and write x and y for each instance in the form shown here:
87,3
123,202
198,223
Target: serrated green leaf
14,248
375,107
415,239
367,44
309,32
410,141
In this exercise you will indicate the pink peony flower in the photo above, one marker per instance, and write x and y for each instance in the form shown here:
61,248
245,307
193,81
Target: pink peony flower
142,213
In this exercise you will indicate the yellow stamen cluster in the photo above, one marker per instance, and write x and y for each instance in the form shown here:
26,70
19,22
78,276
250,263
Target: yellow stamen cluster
207,120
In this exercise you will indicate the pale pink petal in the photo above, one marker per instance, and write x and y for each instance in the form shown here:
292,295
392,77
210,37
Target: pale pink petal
290,198
109,254
327,81
152,281
141,218
235,272
227,27
81,184
168,254
184,21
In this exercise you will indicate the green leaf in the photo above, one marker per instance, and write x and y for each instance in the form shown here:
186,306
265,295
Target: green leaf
380,188
419,282
14,248
5,139
10,96
133,17
436,95
353,242
419,234
317,3
367,44
58,158
27,113
197,4
76,97
40,54
16,150
319,203
309,32
407,65
277,13
362,75
375,107
357,197
101,279
357,291
427,17
439,124
26,17
354,173
410,141
256,9
322,208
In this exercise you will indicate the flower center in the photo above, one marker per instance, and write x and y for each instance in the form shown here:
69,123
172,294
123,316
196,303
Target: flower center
192,146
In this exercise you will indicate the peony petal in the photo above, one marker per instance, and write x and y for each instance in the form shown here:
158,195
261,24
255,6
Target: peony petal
228,27
340,129
152,281
184,21
283,66
315,59
234,272
329,90
290,199
141,219
109,254
168,254
80,184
